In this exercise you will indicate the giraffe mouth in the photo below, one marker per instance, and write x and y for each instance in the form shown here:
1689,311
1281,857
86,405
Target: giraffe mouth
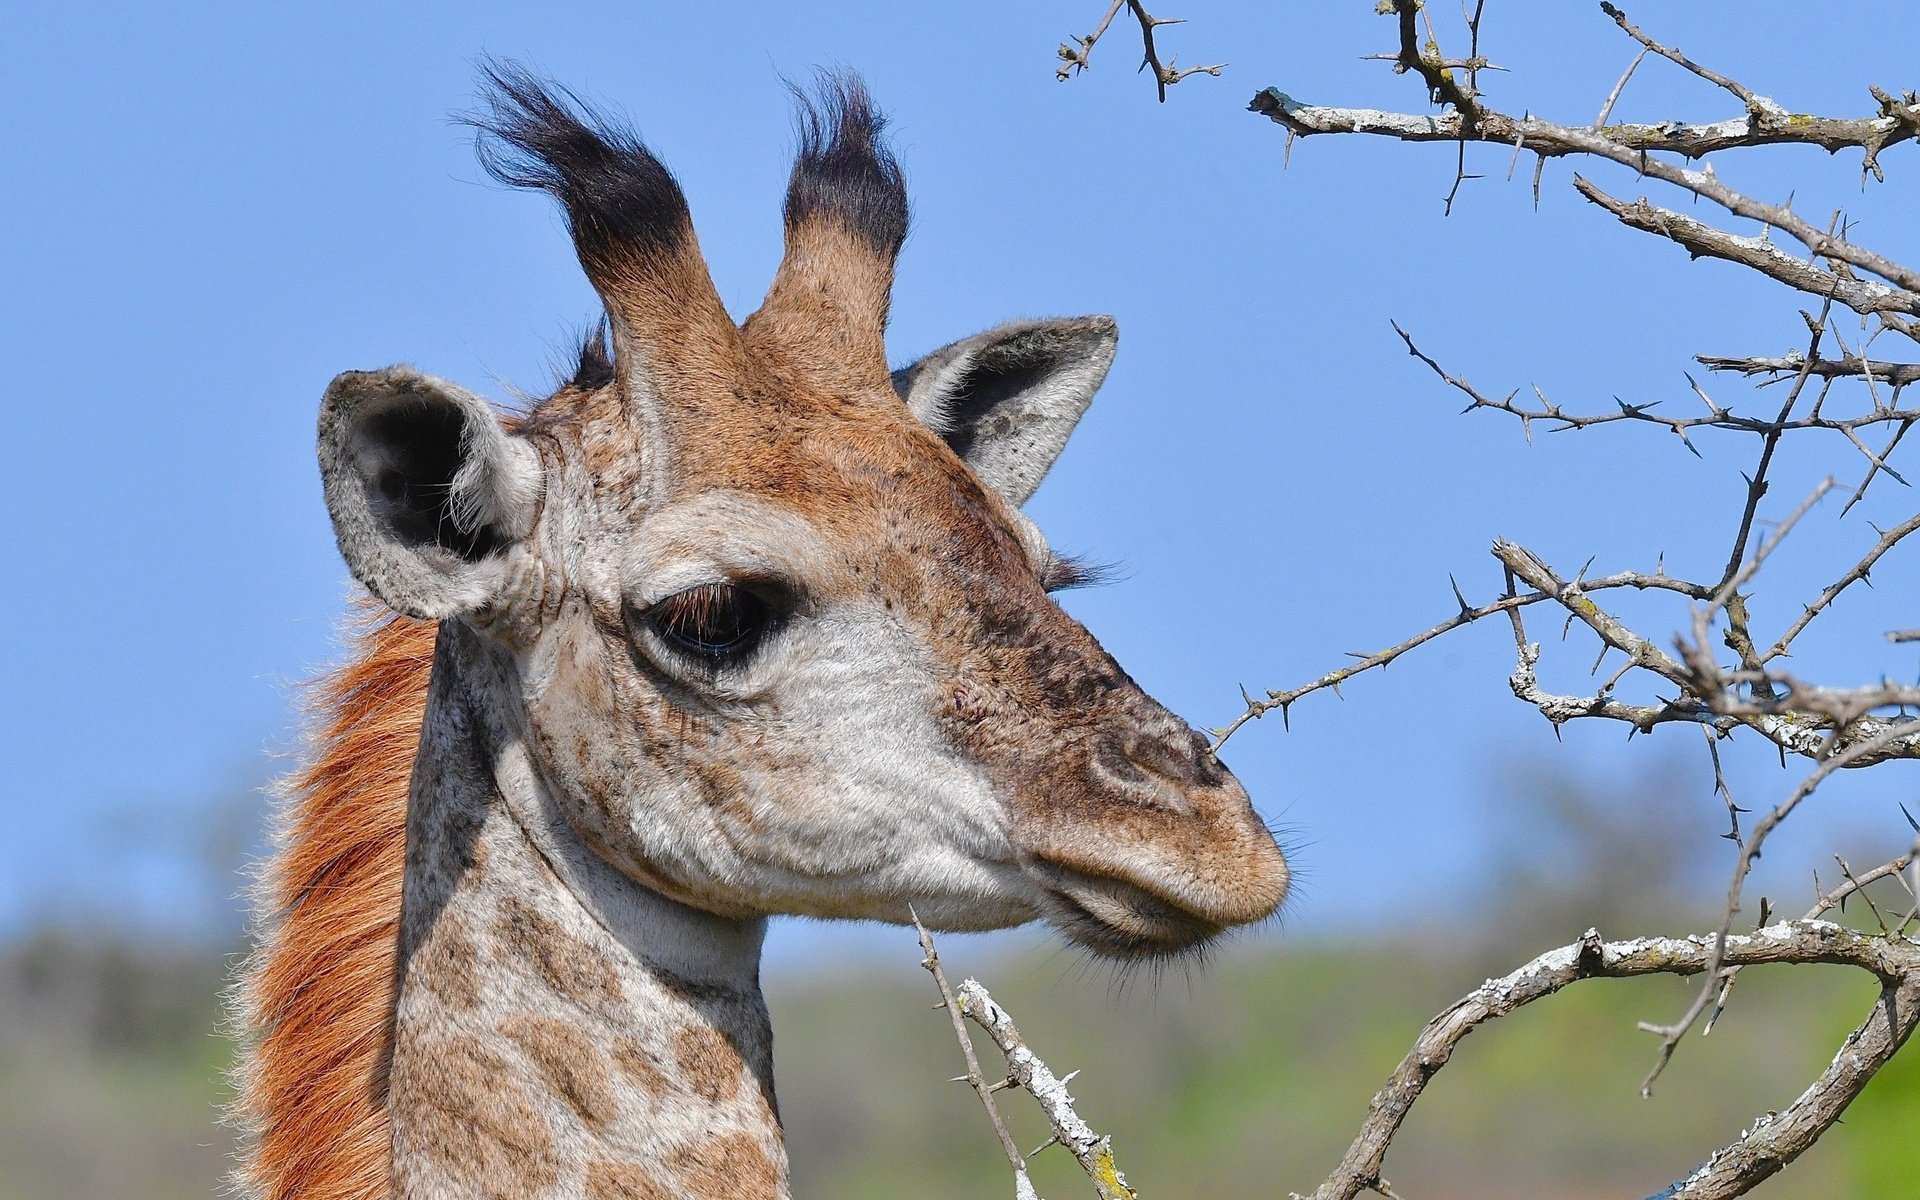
1117,919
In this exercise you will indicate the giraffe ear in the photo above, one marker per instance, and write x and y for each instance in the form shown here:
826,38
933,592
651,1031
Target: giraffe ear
1007,399
426,490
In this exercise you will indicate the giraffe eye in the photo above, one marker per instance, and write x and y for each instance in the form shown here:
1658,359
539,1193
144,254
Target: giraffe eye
713,621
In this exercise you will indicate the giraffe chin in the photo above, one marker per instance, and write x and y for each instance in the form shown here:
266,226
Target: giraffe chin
1119,920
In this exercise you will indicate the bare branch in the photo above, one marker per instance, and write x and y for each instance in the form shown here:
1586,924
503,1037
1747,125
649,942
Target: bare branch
1074,53
1093,1151
1776,1139
1620,143
1835,727
1466,616
1731,575
1760,1151
1530,569
1635,147
1849,366
1558,419
1704,241
1670,1035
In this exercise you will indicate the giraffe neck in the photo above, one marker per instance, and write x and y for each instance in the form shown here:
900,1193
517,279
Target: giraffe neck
560,1029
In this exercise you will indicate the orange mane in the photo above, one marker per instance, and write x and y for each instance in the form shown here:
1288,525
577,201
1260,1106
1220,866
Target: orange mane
318,995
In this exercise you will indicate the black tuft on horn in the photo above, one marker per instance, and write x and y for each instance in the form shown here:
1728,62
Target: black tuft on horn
619,199
845,171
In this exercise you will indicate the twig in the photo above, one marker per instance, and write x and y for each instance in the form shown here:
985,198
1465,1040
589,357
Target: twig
1093,1151
1022,1184
1613,97
1074,54
1558,419
1854,574
1755,104
1283,700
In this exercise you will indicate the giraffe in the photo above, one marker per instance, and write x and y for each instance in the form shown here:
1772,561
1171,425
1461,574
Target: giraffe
736,623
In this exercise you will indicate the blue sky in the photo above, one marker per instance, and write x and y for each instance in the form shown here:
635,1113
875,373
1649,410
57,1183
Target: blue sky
210,211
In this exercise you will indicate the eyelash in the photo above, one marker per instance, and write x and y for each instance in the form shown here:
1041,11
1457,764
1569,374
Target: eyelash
1065,571
712,622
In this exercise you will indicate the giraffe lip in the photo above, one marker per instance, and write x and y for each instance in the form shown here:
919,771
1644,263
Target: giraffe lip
1117,919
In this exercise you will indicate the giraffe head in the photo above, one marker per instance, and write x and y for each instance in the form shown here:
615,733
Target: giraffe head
780,639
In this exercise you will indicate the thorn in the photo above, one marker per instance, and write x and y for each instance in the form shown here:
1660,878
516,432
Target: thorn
1909,816
1465,608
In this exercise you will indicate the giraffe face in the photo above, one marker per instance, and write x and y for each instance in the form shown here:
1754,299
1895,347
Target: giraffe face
781,639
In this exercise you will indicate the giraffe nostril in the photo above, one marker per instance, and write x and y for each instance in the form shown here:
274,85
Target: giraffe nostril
1111,759
1206,769
1179,757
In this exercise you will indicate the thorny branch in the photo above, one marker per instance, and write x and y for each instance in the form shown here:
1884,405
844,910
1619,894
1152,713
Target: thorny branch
1075,53
1894,296
1093,1151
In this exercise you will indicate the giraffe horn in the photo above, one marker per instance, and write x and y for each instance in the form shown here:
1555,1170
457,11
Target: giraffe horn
846,217
629,221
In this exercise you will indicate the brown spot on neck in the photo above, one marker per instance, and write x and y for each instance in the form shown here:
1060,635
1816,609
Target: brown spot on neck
565,963
579,1072
469,1127
708,1064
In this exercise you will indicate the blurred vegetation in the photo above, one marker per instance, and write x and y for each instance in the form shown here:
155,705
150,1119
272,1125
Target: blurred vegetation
110,1067
1245,1078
